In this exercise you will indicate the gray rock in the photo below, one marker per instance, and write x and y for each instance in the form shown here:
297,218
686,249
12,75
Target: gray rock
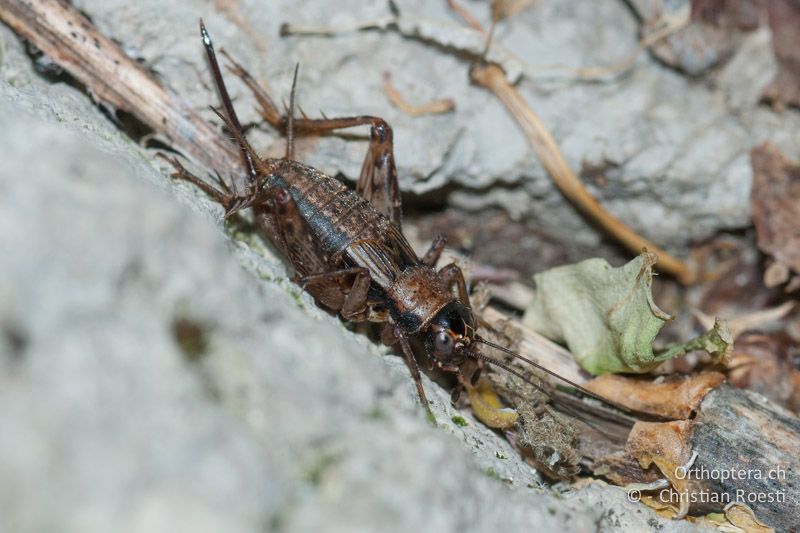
675,149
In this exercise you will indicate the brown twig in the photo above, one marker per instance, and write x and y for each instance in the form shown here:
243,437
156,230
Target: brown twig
73,42
464,13
503,9
492,77
444,105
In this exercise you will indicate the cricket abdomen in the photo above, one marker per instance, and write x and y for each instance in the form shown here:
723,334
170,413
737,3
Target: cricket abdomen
348,230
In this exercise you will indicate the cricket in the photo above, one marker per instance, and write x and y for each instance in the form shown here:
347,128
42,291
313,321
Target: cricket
347,247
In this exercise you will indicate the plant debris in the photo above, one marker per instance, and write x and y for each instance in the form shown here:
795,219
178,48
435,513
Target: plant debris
784,21
444,105
487,407
607,317
714,31
766,363
775,199
673,397
544,145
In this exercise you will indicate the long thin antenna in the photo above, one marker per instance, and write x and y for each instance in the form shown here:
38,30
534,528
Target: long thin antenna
508,368
569,382
227,105
290,127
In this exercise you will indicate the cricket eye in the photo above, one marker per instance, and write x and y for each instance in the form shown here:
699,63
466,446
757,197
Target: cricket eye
443,343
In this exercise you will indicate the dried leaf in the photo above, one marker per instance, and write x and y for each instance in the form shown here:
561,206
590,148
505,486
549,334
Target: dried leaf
666,445
775,199
717,342
674,397
744,518
730,14
607,317
764,364
713,34
784,21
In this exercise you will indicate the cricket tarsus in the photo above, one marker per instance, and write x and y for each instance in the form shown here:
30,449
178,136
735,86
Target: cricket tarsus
346,247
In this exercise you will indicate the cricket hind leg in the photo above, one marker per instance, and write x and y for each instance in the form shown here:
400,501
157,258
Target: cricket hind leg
377,182
433,254
453,276
332,290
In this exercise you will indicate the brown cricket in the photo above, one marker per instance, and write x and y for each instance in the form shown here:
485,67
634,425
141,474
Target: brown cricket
347,247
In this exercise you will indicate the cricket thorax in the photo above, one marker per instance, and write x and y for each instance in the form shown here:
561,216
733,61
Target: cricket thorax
415,297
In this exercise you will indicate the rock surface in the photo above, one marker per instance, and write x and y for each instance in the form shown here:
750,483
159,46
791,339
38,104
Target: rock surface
671,151
158,376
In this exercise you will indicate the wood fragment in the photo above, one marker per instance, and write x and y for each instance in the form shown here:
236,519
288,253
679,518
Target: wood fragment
113,78
784,21
738,431
491,76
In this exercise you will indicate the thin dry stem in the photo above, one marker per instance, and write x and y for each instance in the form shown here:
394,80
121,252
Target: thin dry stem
670,25
505,8
464,13
492,77
445,105
233,10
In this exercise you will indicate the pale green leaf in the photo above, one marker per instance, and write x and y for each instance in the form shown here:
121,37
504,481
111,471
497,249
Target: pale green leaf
607,317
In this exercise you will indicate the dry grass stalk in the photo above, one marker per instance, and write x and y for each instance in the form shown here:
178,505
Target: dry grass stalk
445,105
492,77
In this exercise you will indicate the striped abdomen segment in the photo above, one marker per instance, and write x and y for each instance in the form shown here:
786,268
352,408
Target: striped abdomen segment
345,225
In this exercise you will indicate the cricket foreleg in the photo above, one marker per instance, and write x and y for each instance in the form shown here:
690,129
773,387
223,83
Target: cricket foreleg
413,368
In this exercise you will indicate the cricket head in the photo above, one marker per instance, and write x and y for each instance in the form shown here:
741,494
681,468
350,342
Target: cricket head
450,335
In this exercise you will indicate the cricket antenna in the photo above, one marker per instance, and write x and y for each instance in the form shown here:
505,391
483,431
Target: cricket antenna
568,410
507,368
230,118
290,126
534,364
